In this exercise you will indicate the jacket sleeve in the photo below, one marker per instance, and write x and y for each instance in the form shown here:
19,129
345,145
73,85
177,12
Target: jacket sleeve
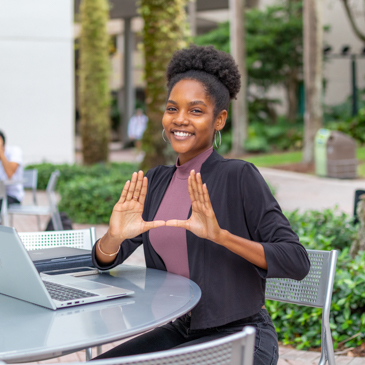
285,256
126,249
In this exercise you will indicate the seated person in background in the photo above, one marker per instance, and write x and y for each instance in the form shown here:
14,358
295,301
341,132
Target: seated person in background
136,126
11,168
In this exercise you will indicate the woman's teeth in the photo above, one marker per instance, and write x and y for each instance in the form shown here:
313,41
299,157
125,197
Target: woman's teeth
182,134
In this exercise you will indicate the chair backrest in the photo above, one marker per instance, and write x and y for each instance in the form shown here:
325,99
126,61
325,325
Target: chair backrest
30,182
236,349
314,289
78,238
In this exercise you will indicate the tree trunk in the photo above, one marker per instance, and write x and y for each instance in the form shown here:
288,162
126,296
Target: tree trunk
238,51
94,93
165,30
359,244
312,38
292,95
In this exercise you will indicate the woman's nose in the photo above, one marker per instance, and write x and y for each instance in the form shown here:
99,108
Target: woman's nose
181,119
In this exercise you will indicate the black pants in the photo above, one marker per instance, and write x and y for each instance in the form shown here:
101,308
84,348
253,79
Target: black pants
10,200
178,334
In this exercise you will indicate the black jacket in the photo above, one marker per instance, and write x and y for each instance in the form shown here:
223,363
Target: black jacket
232,288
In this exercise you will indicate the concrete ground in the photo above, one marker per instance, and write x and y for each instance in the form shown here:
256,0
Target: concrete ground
293,191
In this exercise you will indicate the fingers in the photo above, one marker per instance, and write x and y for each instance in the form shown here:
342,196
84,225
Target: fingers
195,186
142,195
153,224
132,186
135,186
124,192
177,223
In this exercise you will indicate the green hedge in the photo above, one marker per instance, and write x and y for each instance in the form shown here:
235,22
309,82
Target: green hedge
88,193
301,326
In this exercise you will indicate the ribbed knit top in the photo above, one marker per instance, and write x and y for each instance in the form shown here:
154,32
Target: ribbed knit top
170,242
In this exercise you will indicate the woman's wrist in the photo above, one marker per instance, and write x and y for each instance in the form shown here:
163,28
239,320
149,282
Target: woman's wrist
221,237
108,245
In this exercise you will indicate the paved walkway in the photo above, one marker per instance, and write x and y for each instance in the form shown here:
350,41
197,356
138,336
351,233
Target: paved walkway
293,191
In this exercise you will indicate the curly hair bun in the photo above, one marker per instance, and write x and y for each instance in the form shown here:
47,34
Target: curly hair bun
210,60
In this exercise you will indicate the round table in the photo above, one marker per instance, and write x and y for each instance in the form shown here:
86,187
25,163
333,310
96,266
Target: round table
31,333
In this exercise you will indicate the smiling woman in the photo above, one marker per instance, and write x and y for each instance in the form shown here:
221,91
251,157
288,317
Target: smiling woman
207,218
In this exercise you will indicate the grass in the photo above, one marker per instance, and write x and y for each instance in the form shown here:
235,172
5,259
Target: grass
286,158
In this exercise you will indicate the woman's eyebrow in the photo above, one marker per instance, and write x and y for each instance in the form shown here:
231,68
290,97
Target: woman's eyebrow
172,102
197,102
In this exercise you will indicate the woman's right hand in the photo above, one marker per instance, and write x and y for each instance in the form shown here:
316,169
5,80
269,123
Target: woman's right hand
126,220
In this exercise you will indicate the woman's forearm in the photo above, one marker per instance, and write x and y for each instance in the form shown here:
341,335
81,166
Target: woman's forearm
250,250
107,248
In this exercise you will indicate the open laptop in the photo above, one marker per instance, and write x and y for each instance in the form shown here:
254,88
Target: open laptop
20,279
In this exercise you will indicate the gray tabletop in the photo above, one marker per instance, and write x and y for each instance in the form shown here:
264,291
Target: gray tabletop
32,333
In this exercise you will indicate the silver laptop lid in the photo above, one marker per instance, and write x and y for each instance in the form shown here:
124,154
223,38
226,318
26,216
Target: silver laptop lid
18,276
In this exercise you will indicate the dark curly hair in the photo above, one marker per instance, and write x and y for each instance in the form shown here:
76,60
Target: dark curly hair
215,70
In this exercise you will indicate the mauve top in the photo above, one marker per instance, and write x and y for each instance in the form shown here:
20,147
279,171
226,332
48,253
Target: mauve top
170,242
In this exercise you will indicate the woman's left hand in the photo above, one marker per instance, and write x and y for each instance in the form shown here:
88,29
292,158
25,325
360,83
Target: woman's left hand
202,222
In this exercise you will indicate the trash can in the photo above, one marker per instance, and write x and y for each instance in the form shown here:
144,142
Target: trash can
335,155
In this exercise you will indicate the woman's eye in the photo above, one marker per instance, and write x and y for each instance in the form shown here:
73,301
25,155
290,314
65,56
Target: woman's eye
196,111
171,109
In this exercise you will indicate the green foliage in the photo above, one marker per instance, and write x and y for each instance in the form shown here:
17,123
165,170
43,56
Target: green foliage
354,126
165,31
301,326
281,136
88,193
271,35
94,94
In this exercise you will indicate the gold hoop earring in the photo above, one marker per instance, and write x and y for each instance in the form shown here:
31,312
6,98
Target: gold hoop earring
163,131
215,139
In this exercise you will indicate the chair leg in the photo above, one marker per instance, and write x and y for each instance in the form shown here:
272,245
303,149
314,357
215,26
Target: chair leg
99,350
39,222
89,353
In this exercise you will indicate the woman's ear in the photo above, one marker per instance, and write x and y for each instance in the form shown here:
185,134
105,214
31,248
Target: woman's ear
221,119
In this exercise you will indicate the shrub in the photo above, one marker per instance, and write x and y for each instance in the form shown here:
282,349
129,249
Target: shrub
301,326
88,193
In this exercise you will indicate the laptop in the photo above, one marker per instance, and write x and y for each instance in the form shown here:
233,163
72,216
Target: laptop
58,258
20,279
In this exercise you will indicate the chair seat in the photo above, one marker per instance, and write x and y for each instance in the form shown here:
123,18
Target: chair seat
29,209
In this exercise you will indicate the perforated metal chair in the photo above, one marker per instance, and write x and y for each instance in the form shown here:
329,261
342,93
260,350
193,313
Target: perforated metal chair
51,209
315,290
236,349
78,238
30,178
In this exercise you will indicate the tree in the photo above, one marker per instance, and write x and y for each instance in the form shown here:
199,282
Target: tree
313,59
274,49
238,50
165,31
94,91
354,26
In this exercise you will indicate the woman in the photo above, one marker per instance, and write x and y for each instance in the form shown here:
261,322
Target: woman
207,218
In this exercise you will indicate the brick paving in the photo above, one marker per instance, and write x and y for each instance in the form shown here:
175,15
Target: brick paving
293,191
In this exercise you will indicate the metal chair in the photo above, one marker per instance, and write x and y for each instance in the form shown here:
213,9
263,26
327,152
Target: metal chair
78,238
315,290
51,209
236,349
30,178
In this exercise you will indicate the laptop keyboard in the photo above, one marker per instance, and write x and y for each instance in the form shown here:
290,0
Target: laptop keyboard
62,293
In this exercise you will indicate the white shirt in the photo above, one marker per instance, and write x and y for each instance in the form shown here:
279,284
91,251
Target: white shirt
136,126
14,154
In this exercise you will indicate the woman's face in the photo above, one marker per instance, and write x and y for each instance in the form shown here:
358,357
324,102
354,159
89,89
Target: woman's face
189,120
